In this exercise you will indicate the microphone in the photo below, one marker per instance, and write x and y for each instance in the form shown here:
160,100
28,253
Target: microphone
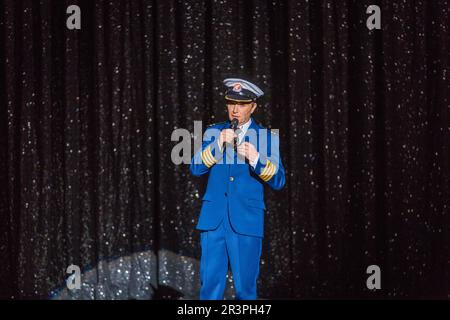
233,125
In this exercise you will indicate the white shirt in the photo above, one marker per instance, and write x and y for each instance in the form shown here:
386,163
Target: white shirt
242,130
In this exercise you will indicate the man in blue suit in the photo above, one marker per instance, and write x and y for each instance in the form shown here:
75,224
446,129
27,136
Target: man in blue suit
239,162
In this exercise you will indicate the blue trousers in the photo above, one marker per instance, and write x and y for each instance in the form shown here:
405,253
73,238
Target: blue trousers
222,247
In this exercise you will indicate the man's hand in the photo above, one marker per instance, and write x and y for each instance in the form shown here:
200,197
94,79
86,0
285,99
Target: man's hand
247,150
227,135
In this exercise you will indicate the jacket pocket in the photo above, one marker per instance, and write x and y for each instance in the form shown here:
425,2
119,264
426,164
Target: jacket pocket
256,203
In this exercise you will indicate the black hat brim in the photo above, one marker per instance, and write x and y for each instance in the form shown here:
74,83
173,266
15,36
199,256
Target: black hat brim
238,97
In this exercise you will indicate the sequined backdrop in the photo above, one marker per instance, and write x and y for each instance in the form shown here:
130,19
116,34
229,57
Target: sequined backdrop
86,118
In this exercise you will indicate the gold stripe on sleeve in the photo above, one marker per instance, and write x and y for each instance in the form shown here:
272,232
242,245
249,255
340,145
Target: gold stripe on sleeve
209,156
270,172
266,168
205,159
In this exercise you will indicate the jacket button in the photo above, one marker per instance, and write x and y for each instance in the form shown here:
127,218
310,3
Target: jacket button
231,178
226,194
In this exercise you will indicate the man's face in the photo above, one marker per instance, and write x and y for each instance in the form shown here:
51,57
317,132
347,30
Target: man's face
240,111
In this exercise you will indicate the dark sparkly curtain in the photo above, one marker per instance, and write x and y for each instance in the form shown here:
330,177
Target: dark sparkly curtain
86,118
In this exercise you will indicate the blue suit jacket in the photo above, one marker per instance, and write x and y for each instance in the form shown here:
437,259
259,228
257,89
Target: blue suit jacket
234,186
